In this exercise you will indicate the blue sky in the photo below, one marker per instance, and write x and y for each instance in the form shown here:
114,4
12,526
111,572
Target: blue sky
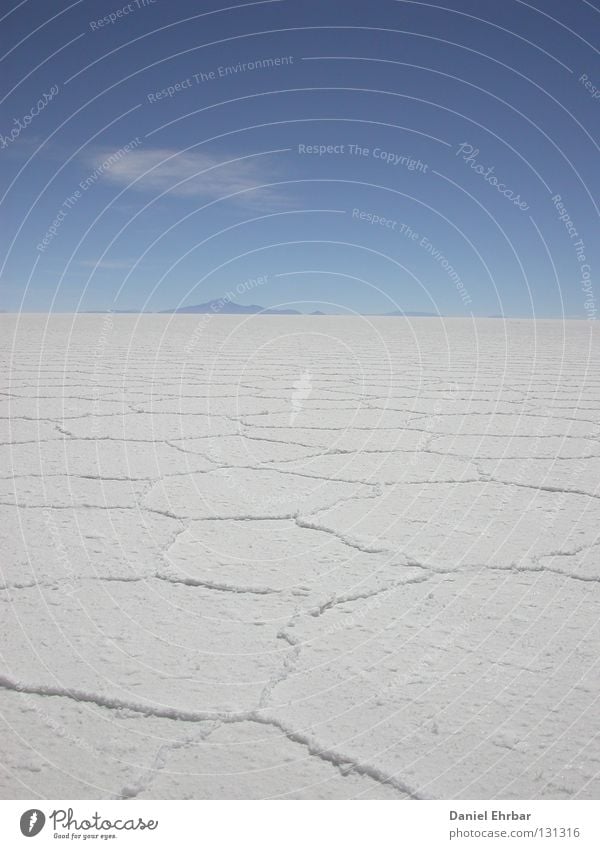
355,156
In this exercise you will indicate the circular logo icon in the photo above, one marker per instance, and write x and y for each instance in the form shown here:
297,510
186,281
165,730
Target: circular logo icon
32,822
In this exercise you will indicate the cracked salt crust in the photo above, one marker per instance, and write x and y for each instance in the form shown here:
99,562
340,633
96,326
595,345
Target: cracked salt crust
392,593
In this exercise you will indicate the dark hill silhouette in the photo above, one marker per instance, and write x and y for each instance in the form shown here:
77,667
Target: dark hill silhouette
223,307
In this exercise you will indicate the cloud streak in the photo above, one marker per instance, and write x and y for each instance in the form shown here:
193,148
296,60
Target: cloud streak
192,174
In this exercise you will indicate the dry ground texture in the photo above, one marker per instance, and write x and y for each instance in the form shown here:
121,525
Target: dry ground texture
306,557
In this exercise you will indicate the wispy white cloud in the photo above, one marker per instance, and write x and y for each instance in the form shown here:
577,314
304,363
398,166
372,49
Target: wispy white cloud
192,174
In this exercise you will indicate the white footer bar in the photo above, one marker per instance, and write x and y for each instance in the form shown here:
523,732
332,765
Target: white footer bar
301,824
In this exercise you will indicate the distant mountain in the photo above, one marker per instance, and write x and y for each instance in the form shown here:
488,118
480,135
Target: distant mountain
221,307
